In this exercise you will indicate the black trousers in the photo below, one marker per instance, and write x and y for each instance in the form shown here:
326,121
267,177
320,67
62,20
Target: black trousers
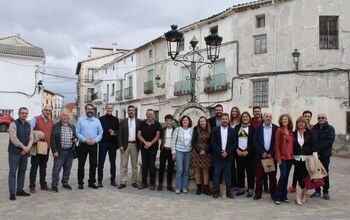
234,173
245,165
83,151
38,161
166,155
300,173
148,165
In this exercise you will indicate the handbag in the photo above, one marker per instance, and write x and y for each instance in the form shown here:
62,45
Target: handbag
313,184
75,150
41,148
268,165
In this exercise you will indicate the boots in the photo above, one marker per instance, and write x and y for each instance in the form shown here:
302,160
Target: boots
199,189
298,197
206,190
304,195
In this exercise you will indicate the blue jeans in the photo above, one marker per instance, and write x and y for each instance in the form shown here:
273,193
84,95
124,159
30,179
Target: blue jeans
111,148
281,191
65,160
183,160
18,166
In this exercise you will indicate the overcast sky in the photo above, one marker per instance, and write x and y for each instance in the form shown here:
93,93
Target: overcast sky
66,29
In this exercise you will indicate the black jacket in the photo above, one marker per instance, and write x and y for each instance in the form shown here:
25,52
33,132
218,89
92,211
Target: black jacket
215,142
259,142
56,145
109,122
308,147
250,144
324,138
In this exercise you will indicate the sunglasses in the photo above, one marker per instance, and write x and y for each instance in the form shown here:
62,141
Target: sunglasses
321,117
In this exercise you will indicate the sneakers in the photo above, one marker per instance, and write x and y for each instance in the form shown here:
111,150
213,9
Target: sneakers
22,193
177,191
291,189
278,202
185,191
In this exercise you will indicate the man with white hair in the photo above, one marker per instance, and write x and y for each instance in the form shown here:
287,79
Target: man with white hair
41,123
62,138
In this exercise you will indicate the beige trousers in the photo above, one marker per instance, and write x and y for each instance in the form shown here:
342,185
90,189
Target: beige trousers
131,151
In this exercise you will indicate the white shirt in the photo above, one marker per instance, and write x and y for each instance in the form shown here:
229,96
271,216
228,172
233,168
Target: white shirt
224,133
267,136
301,141
187,136
168,132
243,140
132,129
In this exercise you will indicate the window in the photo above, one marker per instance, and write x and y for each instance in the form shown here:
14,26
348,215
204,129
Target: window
328,32
156,115
260,21
112,89
182,45
150,53
90,93
90,76
347,122
261,93
260,44
214,30
132,59
107,93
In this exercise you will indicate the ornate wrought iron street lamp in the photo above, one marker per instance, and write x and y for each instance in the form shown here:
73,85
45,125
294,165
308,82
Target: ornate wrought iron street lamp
296,55
213,42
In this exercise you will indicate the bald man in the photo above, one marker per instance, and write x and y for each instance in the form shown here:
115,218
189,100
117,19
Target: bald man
324,135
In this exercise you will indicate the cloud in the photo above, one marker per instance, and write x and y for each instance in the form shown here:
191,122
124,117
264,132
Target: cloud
67,28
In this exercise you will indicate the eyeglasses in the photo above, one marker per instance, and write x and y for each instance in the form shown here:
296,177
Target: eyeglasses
321,117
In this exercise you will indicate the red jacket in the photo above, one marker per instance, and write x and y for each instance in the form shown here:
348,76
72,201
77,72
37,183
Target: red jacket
284,145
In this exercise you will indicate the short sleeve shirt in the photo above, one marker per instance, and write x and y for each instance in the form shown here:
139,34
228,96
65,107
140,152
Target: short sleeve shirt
149,131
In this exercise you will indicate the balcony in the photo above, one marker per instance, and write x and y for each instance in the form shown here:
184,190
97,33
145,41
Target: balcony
128,93
182,88
148,87
105,98
96,98
216,83
119,95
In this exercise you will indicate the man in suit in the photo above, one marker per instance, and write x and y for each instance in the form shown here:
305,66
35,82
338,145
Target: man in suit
264,141
223,142
215,120
128,146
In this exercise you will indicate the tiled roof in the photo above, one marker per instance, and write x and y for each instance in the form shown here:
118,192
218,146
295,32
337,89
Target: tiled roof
22,50
15,45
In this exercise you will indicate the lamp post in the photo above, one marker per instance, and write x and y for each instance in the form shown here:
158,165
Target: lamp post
213,42
296,55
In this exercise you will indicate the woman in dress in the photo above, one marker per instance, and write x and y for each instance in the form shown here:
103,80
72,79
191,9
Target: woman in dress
201,159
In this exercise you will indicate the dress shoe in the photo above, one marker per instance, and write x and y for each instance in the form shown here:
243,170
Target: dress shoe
326,196
160,188
135,185
22,193
45,188
239,193
80,186
143,186
170,188
250,194
113,183
152,187
12,197
229,195
316,194
32,190
54,189
100,184
286,201
67,186
93,186
215,195
256,197
121,186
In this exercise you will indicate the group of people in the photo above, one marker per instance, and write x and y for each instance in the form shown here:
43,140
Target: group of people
226,149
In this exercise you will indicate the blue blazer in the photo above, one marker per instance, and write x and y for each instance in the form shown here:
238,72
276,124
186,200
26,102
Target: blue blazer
215,142
259,141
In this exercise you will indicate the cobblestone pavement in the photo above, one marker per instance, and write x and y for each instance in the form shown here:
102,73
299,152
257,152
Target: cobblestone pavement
129,203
